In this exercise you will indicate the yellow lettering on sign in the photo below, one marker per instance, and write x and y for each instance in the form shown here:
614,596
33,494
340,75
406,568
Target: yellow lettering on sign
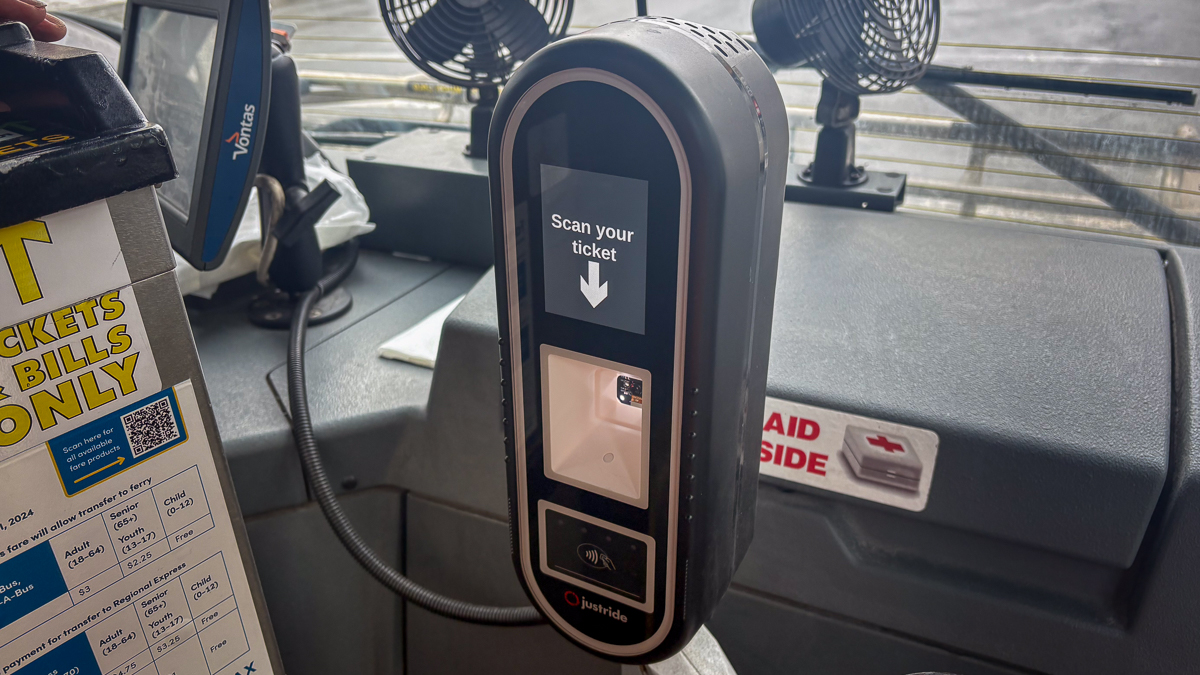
29,374
64,321
45,404
57,367
90,352
91,392
51,362
87,309
118,340
12,243
20,422
112,305
122,372
33,332
69,362
7,350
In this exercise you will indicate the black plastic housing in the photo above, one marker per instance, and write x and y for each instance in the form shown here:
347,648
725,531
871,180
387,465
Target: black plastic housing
705,126
61,149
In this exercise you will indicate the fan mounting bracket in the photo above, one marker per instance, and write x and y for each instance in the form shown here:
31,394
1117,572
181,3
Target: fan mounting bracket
877,190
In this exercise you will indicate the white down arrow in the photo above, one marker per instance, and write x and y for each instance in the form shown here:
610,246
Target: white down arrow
592,289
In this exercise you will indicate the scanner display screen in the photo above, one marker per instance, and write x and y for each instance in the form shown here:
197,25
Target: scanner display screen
169,76
594,246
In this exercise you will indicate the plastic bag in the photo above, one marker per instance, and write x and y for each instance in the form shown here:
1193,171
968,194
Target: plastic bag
347,218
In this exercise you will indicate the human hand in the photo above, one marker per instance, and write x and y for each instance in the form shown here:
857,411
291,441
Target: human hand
44,27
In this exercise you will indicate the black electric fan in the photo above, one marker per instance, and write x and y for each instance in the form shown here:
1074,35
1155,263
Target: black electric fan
475,44
859,47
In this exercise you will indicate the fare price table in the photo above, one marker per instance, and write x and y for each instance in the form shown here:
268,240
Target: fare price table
108,547
190,626
67,562
139,577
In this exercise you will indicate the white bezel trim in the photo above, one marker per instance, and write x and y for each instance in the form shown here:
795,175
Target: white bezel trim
514,331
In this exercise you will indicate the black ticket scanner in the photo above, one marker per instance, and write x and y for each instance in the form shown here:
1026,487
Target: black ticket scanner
201,70
637,177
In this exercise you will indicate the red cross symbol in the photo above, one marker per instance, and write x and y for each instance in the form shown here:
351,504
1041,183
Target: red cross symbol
881,441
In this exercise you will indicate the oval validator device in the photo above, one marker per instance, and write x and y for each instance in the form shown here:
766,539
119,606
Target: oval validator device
637,176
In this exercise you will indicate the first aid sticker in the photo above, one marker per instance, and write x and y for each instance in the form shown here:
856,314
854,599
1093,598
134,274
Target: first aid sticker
863,457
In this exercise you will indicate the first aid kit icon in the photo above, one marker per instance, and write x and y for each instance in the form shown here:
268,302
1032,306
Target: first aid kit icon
887,459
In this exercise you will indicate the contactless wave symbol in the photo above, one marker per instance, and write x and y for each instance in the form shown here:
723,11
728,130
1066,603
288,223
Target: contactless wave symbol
595,557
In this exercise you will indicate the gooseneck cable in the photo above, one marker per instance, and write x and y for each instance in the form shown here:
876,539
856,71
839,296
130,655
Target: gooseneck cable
318,482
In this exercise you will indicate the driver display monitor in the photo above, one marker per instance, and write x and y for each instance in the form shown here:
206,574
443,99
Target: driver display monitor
169,77
200,69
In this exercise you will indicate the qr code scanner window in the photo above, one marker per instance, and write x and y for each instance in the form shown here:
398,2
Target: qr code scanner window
629,391
150,427
597,416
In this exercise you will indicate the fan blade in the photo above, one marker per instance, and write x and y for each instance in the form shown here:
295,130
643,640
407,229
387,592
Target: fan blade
439,34
885,24
518,25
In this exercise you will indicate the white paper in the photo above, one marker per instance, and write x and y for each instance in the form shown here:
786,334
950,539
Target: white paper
140,566
419,344
42,262
70,366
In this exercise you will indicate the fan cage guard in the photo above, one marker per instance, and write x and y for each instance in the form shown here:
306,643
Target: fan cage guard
866,46
464,24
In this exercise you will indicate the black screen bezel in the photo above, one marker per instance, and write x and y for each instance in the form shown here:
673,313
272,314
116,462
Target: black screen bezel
596,127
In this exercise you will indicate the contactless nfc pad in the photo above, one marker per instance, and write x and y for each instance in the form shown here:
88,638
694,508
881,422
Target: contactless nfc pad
599,556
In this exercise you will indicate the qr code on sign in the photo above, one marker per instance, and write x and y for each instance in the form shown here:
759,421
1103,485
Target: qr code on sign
150,426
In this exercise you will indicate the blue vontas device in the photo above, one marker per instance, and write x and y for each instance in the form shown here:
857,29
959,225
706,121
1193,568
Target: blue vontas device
201,70
637,175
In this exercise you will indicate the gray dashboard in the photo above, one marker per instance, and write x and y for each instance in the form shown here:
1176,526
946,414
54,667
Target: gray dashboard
1061,529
